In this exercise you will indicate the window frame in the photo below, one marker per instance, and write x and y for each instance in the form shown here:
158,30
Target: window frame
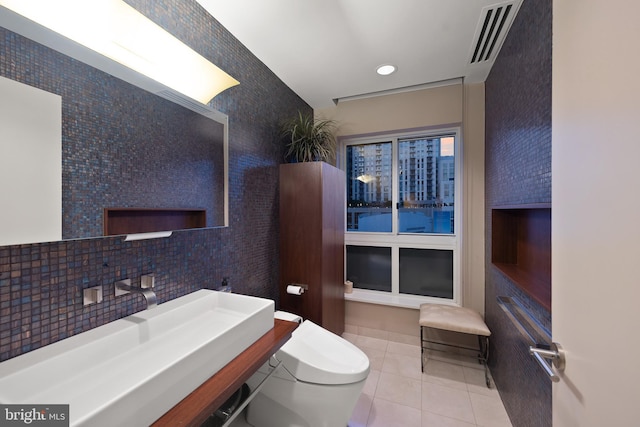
396,240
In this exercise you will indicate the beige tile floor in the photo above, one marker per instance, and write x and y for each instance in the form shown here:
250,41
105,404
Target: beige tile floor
451,392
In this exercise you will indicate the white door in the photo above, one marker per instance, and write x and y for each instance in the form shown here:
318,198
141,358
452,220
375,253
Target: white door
596,211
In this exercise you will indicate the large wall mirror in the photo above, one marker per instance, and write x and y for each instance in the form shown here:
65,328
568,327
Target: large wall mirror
56,191
122,147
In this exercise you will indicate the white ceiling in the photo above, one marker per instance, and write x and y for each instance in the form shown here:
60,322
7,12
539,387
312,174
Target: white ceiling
329,49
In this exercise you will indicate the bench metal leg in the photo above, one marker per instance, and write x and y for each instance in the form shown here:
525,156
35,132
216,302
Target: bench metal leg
483,357
422,349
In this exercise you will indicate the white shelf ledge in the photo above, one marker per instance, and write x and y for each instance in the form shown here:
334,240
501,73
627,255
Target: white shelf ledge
386,298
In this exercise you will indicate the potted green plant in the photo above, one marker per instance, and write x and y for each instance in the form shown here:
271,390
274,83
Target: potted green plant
309,139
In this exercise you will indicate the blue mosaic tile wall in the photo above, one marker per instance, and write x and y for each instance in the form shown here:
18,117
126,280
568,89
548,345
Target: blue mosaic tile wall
41,284
518,171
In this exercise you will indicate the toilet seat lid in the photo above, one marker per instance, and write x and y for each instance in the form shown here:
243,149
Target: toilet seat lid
318,356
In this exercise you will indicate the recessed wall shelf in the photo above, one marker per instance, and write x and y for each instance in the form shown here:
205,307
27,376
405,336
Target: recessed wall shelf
144,220
521,247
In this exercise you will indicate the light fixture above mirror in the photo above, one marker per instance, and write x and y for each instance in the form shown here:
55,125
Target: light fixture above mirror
117,31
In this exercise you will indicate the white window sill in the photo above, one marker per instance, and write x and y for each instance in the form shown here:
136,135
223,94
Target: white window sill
394,300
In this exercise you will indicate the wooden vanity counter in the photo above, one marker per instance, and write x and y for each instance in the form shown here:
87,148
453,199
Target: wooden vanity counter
194,409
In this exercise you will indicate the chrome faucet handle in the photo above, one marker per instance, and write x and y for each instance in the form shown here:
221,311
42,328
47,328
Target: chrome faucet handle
148,281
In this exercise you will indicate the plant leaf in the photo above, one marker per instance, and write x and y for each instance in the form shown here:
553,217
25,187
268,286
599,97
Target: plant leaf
309,139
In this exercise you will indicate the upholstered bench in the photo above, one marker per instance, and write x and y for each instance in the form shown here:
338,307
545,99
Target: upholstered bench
455,319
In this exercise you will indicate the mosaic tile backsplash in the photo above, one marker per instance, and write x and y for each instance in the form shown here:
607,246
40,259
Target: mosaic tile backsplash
41,284
518,171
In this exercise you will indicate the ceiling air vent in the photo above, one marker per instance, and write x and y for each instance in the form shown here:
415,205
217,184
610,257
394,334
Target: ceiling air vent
492,29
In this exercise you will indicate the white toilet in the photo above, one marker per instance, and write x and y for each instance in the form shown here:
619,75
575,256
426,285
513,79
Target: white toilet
317,384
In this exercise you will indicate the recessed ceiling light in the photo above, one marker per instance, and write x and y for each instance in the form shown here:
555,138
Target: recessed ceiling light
385,70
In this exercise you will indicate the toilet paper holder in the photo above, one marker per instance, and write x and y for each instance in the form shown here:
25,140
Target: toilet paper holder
297,288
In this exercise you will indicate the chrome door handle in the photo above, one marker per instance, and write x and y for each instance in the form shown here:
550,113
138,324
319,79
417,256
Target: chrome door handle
555,353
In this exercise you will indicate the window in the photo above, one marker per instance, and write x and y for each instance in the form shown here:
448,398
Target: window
402,210
370,267
426,272
369,186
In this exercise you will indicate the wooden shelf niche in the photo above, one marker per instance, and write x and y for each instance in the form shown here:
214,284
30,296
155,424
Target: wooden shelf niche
146,220
521,247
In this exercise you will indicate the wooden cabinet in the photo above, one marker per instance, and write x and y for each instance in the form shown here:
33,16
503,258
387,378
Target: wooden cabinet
312,204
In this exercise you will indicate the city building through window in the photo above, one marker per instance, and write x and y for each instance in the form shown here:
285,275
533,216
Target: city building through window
402,193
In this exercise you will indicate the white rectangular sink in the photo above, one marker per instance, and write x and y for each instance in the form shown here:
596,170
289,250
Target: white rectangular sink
131,371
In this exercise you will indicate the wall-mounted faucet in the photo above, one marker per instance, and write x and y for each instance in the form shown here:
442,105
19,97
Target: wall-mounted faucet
123,287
